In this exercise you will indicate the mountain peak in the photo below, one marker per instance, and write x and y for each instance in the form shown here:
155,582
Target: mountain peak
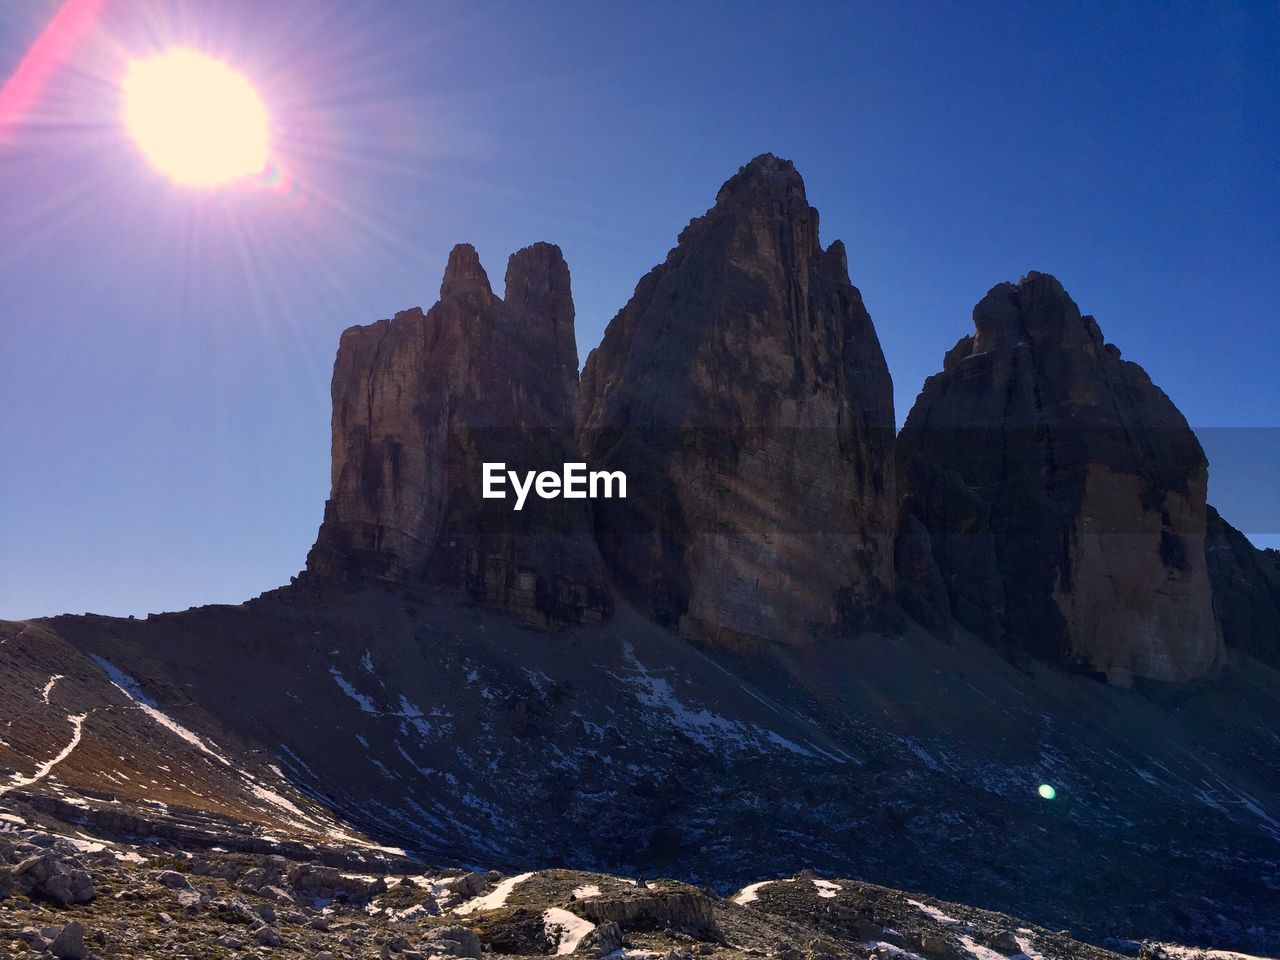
764,178
747,338
1037,309
537,273
1036,425
464,276
419,407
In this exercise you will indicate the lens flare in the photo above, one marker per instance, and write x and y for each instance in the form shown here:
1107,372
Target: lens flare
197,120
51,49
1047,792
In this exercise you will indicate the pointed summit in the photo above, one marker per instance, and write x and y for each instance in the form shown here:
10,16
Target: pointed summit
464,276
538,300
744,393
1035,310
763,177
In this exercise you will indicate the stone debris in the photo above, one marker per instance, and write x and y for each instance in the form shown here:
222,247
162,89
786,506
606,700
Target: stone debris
149,915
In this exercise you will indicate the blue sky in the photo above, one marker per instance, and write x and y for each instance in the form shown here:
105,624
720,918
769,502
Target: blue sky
164,407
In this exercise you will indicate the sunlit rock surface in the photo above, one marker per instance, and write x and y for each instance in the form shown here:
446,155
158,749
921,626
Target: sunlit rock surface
420,402
744,392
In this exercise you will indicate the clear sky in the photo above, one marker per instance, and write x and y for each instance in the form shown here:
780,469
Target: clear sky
165,351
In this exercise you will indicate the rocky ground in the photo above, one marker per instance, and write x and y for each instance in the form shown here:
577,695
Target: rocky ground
365,730
68,895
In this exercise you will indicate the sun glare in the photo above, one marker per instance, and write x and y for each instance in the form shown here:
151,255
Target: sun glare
197,120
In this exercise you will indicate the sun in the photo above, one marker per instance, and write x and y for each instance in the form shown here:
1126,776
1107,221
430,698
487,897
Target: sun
197,120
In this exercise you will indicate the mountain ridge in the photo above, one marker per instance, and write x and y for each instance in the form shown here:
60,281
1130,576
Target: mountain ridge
792,648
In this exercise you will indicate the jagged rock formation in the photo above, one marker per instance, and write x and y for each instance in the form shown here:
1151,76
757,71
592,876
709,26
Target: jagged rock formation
1064,494
1246,590
1058,501
744,393
419,403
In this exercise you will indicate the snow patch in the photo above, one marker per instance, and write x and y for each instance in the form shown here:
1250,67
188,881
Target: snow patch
1029,951
890,950
827,889
566,929
129,687
700,725
586,892
495,898
346,686
751,892
978,951
48,687
77,723
86,844
933,912
273,798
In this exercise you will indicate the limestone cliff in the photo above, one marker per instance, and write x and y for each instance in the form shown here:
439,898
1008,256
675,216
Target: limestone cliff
419,403
1246,590
744,392
1063,493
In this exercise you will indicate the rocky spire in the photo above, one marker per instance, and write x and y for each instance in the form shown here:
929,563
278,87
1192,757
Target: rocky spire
420,402
744,393
464,276
1063,495
539,302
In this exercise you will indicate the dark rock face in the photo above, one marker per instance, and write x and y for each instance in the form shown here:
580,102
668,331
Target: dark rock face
420,402
1064,494
1246,590
744,393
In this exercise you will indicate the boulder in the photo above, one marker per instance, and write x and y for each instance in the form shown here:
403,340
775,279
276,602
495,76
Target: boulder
69,943
171,879
604,939
420,402
456,941
267,937
744,394
933,945
1003,941
1063,494
53,876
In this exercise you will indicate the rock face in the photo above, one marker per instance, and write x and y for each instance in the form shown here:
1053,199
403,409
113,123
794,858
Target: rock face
744,393
1063,494
420,402
1246,590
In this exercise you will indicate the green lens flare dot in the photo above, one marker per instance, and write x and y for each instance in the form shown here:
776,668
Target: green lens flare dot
1047,792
